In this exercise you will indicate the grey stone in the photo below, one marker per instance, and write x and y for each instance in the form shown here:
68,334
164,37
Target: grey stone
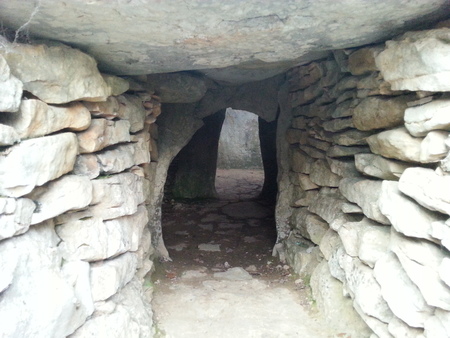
132,110
380,167
426,67
34,162
116,84
302,257
322,175
330,243
243,210
236,273
8,135
209,247
444,270
351,137
343,151
398,328
338,124
15,216
430,116
362,61
10,89
343,167
58,74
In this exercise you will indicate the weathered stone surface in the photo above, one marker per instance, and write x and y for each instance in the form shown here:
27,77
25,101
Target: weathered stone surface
338,124
92,239
343,167
35,162
10,89
306,199
380,167
108,109
366,194
441,230
116,84
426,67
15,216
327,291
102,133
343,151
305,182
398,328
177,87
126,314
421,261
351,137
402,295
58,74
304,76
363,60
351,208
33,264
36,118
131,109
109,276
444,270
399,144
327,205
427,187
87,165
431,116
302,257
8,136
313,152
330,243
379,112
364,289
117,195
322,175
300,162
405,215
438,325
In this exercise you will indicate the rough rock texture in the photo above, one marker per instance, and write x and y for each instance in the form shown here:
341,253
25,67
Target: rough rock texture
195,35
15,216
10,88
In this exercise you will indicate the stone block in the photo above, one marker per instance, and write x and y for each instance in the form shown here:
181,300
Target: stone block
427,187
327,205
10,89
70,192
438,325
58,74
398,328
102,133
109,276
8,135
15,216
34,162
87,165
344,151
300,162
330,243
366,194
444,270
441,230
427,66
322,175
343,167
336,125
132,110
108,109
36,118
434,115
405,215
402,295
116,84
351,137
362,61
380,167
92,239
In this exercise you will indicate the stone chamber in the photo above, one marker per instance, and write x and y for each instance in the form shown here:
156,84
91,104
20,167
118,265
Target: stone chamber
354,130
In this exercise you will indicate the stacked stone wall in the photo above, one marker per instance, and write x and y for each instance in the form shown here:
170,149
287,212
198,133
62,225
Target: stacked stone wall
370,181
74,243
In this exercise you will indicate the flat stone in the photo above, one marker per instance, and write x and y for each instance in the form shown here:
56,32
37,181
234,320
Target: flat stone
116,84
427,188
109,276
34,162
366,194
344,151
245,210
301,162
209,247
305,182
351,137
10,89
405,215
380,167
438,325
329,243
108,109
102,133
444,270
430,116
426,67
303,260
322,175
58,74
236,273
398,328
402,295
441,231
87,165
343,167
193,274
338,124
15,216
362,61
379,112
8,135
132,110
327,206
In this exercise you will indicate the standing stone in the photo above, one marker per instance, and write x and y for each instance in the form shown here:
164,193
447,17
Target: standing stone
426,67
405,215
431,116
58,74
35,118
34,162
15,216
380,167
10,89
70,192
427,187
402,295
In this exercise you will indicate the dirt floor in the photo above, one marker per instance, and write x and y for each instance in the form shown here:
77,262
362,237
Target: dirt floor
222,280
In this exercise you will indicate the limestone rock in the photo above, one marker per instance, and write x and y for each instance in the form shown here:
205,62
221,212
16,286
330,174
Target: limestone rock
70,192
300,256
15,216
87,165
398,328
426,67
92,239
335,261
431,116
305,182
351,137
441,230
102,133
236,273
427,187
117,195
8,135
366,194
63,289
343,167
312,151
402,295
327,206
378,112
379,328
438,325
421,261
108,109
322,175
380,167
36,118
433,147
10,89
109,276
444,270
363,60
58,74
327,291
405,215
351,208
329,243
338,124
177,87
301,162
34,162
343,151
116,84
131,109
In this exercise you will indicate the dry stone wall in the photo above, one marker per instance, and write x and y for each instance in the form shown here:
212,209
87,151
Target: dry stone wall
369,166
74,242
